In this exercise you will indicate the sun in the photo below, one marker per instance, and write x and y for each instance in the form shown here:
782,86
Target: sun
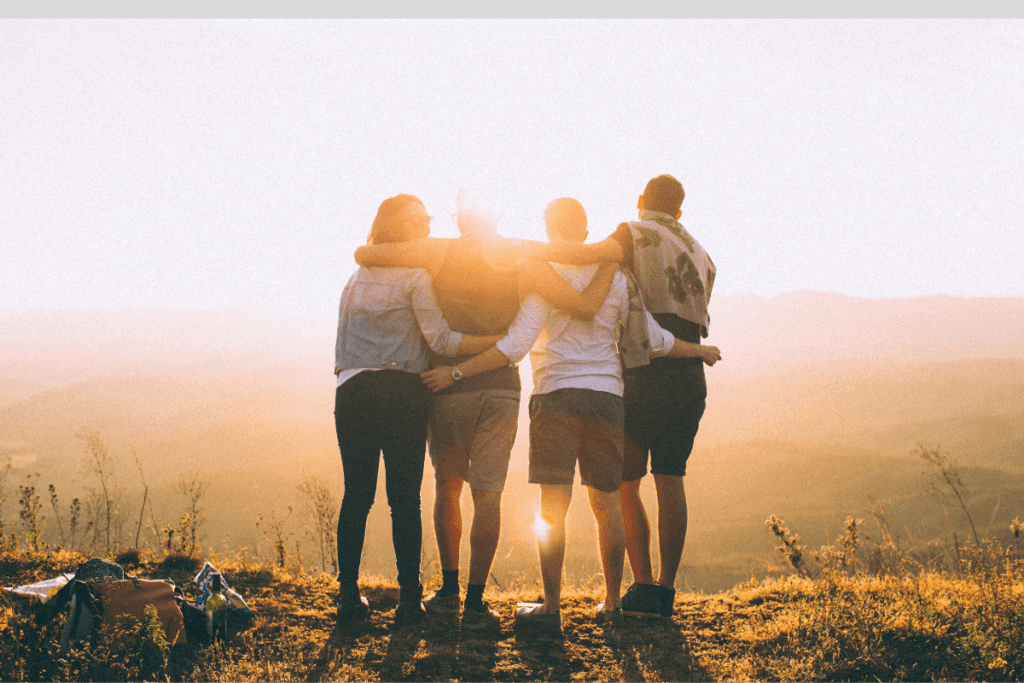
518,211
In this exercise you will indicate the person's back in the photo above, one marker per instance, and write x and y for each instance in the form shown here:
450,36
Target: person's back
473,422
673,270
581,353
378,324
476,297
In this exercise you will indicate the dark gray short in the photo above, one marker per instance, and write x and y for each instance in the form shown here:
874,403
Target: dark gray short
577,424
664,404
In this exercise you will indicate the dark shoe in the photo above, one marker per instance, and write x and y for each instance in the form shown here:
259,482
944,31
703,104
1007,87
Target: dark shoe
410,606
351,605
642,600
480,620
610,617
668,601
528,617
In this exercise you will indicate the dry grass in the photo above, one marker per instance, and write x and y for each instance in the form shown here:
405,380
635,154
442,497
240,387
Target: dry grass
933,626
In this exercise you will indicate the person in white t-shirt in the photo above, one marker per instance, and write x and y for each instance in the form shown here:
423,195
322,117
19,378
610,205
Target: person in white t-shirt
576,412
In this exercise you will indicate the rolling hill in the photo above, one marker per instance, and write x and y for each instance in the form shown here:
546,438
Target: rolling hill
813,411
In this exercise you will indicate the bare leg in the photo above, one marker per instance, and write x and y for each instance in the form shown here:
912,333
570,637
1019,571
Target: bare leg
672,520
448,521
483,535
611,535
638,532
554,504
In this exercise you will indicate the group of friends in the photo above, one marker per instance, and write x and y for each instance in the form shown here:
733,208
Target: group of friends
429,334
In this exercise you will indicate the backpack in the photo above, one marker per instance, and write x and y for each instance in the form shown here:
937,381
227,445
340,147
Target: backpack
101,594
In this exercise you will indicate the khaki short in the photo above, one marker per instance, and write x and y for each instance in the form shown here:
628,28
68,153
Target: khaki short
471,436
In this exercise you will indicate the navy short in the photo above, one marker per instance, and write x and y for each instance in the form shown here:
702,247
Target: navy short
576,424
664,403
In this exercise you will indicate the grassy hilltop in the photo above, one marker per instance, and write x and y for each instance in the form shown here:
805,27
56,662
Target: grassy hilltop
850,612
191,436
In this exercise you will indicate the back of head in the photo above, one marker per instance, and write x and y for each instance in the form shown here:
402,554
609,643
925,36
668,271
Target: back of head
665,194
566,220
477,214
391,224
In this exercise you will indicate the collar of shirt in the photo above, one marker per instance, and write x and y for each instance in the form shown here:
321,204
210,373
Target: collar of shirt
650,215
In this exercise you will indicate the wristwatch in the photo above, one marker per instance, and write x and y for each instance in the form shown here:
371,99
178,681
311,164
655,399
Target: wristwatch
456,374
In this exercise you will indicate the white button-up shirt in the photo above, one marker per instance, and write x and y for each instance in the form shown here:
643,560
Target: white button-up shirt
574,353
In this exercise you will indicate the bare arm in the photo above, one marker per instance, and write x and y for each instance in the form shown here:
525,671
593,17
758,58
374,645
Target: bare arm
540,278
574,253
426,252
662,343
709,354
441,377
511,348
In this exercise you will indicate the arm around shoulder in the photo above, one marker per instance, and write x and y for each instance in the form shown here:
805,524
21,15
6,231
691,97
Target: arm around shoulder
540,278
573,253
511,348
426,252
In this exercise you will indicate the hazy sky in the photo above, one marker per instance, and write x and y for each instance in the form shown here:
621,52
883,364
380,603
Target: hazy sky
209,164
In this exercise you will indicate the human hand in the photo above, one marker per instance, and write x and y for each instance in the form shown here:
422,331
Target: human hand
439,378
710,354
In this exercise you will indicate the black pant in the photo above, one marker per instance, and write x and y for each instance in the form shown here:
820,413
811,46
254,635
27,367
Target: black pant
382,410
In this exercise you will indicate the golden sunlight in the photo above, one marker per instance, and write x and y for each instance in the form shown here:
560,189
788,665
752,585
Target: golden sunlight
541,528
519,212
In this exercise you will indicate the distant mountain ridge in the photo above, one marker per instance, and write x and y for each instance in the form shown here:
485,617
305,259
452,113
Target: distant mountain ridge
46,348
756,333
61,347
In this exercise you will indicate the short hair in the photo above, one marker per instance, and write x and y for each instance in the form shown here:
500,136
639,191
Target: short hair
565,218
664,194
388,225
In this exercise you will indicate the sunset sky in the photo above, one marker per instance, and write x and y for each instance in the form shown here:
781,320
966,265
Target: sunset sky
213,164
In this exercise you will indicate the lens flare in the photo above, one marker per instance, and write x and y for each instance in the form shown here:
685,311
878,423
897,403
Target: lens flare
541,528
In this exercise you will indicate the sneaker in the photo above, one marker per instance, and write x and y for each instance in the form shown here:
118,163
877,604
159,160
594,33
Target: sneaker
668,601
610,617
477,620
527,616
442,604
642,600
